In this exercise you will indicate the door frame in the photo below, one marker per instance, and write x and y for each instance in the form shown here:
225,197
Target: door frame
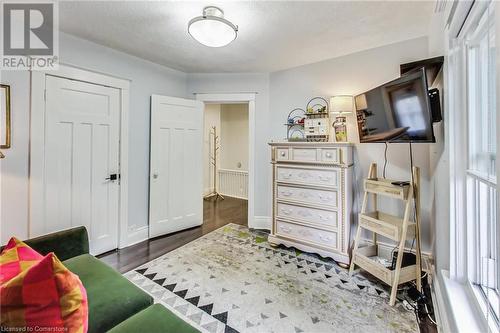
228,98
37,135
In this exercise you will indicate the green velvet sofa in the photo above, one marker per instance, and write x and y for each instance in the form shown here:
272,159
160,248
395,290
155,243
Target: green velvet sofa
115,303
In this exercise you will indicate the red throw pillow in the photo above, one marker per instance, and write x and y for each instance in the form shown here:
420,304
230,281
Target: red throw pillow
45,296
15,258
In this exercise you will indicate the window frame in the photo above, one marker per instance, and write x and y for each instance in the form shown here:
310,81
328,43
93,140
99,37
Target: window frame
458,101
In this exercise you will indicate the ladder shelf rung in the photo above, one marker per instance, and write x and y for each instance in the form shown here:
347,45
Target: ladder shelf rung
385,187
385,224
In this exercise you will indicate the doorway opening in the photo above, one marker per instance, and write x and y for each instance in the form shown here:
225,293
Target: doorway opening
226,162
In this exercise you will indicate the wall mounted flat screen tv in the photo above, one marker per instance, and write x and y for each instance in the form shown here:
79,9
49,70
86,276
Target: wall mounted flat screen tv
398,111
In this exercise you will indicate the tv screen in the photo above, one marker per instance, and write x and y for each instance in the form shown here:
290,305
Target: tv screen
398,111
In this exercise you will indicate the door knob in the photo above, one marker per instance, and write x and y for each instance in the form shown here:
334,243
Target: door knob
155,175
113,176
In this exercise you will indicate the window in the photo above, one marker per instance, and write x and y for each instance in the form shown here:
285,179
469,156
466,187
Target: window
480,159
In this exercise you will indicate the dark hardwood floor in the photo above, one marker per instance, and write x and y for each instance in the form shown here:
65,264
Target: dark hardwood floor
215,215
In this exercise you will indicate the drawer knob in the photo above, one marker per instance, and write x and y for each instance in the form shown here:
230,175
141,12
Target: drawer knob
329,155
286,175
286,211
325,178
286,193
282,154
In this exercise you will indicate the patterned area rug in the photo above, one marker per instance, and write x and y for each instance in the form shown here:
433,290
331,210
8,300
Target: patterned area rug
232,280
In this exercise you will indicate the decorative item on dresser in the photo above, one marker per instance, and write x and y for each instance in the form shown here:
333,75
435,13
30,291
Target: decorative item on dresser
317,122
312,190
295,125
342,106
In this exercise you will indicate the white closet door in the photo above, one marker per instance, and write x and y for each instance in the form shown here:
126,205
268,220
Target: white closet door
81,152
176,168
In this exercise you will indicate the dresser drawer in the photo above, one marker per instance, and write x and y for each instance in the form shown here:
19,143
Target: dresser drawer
308,195
322,177
313,235
326,218
282,154
304,154
331,155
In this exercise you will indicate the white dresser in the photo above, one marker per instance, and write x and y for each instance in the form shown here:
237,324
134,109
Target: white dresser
312,197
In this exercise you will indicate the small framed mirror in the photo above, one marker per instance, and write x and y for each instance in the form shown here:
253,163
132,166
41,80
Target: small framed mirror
4,116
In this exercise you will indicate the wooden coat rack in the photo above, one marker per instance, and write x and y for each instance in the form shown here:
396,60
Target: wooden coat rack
213,163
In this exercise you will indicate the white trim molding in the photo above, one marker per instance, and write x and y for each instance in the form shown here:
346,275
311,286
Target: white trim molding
438,301
37,133
454,302
228,98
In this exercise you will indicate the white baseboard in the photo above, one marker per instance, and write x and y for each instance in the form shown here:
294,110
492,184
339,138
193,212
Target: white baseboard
260,222
438,302
138,235
233,196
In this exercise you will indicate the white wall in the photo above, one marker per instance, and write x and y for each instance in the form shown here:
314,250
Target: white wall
439,156
211,118
234,136
351,75
246,83
146,79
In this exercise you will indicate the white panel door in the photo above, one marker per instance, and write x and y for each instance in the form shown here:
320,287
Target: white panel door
176,166
81,152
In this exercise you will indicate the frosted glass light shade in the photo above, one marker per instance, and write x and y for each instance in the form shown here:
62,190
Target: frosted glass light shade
212,29
341,104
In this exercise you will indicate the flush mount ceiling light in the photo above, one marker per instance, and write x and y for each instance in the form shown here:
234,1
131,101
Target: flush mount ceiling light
212,29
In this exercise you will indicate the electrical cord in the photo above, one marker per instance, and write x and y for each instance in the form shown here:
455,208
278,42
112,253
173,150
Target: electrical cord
429,315
412,305
414,201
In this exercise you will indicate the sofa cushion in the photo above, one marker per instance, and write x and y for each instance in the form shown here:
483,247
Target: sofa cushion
111,297
155,319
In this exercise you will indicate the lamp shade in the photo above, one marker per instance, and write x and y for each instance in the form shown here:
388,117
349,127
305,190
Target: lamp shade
361,102
212,29
341,104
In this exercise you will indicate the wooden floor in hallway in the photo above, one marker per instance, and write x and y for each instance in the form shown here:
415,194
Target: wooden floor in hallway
215,215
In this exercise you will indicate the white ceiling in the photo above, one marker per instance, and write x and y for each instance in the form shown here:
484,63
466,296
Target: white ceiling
272,35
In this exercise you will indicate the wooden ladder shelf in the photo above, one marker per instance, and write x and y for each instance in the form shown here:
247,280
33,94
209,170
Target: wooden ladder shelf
392,227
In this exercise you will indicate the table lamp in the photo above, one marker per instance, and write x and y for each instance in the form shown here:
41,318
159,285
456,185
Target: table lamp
341,105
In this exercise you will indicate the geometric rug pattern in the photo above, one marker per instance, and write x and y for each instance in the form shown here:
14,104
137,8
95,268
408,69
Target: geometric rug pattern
233,280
